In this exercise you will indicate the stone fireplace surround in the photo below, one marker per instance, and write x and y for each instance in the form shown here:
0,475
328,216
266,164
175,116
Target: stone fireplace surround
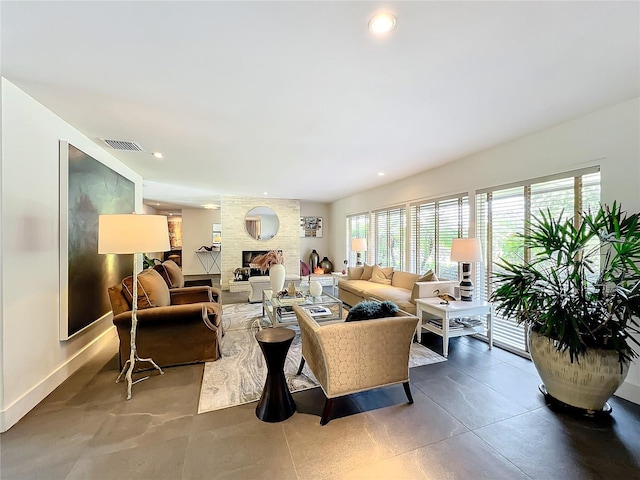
236,240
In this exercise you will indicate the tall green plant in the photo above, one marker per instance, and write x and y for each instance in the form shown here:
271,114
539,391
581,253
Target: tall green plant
582,285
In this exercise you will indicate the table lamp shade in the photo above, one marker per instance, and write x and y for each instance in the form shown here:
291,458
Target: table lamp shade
131,233
466,250
359,244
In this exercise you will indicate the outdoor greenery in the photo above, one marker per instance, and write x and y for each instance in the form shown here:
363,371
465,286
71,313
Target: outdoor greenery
582,284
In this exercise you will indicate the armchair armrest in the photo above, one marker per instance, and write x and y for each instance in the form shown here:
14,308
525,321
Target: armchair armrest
185,295
174,314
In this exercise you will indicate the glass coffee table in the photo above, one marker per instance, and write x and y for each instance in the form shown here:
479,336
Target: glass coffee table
280,311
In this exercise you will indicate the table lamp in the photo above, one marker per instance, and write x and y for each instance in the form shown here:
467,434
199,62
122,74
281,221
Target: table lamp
131,233
358,245
466,250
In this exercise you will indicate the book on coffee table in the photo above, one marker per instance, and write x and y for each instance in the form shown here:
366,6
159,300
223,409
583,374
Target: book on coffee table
318,311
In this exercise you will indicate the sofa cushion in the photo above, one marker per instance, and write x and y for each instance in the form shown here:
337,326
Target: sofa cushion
404,280
429,276
382,275
361,288
152,290
367,272
369,310
175,273
400,296
354,273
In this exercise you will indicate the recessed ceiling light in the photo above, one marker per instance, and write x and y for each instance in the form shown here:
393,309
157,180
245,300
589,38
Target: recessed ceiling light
266,193
158,155
381,174
382,23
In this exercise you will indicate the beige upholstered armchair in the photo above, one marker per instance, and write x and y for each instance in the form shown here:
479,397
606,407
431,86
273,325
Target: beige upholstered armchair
351,357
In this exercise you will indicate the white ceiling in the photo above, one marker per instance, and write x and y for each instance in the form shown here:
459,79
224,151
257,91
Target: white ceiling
297,99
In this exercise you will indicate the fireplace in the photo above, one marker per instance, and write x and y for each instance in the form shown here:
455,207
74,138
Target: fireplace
247,262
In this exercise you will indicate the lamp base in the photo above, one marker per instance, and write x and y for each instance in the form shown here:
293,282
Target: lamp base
127,371
466,286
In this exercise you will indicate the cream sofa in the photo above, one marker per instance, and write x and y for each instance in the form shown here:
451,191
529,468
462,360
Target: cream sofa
402,290
351,357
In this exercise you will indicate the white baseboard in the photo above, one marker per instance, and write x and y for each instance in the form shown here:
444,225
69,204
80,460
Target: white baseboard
630,392
18,409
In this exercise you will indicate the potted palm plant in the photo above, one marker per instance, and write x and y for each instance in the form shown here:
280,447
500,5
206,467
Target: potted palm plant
579,296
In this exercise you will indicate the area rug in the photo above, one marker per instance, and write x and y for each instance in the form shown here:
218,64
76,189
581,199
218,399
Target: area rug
238,377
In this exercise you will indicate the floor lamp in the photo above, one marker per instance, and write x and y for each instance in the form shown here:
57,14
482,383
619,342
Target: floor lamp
466,250
358,245
131,233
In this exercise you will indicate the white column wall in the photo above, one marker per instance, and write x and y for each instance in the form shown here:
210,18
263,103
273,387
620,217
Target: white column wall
235,238
34,360
197,230
321,245
609,137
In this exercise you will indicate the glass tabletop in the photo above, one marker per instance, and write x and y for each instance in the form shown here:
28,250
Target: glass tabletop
323,299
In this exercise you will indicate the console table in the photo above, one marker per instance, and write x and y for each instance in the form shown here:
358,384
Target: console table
446,312
210,260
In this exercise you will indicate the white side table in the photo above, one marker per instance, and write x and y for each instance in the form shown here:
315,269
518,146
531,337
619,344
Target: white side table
456,309
336,278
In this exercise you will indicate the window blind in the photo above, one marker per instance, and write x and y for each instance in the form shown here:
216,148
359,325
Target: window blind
504,212
434,224
389,237
357,227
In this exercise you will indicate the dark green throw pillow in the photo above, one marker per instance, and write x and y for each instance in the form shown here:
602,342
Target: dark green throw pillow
367,310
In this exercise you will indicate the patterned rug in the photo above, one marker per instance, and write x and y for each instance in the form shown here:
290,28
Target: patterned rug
238,377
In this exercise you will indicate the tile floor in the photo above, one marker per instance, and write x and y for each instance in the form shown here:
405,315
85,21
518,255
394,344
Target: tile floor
476,416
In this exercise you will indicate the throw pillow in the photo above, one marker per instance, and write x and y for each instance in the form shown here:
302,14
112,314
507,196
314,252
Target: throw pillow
175,273
382,275
429,276
367,272
162,270
354,273
304,269
152,290
367,310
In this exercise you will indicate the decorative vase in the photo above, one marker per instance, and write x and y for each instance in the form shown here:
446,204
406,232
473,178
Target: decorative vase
326,265
314,258
277,274
315,288
588,384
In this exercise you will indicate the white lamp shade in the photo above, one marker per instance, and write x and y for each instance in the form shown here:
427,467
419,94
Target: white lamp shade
131,233
359,244
466,250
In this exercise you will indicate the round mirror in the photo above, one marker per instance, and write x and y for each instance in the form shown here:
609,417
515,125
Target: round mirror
261,223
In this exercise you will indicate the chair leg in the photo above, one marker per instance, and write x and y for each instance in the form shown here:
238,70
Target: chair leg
325,411
407,390
301,366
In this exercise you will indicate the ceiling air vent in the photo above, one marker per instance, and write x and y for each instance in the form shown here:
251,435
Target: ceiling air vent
123,145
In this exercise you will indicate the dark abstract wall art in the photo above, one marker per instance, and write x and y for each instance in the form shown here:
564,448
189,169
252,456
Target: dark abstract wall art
88,188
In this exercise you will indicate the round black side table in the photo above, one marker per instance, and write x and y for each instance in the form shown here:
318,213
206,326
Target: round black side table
276,403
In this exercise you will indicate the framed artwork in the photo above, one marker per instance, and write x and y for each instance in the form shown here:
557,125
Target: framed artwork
88,188
311,227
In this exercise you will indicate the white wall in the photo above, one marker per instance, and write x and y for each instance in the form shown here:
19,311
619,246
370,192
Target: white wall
34,360
197,230
321,245
609,138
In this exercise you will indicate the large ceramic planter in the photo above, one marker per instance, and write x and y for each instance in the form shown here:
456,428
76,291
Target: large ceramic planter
587,384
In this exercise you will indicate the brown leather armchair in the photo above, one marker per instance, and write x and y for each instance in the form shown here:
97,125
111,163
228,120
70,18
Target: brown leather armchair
172,274
175,326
